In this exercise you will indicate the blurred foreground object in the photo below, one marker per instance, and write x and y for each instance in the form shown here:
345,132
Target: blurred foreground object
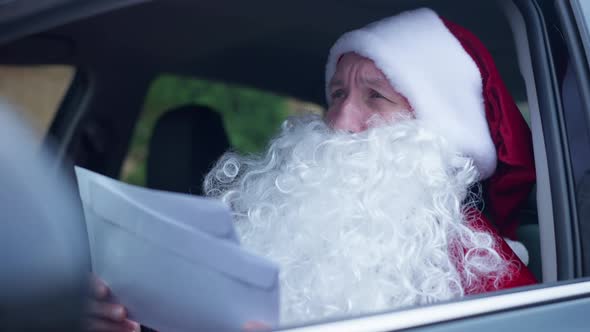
44,251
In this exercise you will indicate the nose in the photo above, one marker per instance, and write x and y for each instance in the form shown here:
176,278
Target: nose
346,116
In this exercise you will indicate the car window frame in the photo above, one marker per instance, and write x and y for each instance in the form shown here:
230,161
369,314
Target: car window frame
67,118
536,64
556,189
574,28
478,311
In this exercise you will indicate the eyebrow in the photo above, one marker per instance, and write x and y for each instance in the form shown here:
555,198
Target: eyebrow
376,81
336,83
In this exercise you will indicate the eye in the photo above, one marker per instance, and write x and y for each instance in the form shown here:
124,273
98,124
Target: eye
337,94
375,94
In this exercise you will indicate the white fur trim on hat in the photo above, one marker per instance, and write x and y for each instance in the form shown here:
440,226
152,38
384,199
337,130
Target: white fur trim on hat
426,63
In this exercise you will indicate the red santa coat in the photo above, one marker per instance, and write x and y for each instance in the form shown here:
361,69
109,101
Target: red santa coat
517,275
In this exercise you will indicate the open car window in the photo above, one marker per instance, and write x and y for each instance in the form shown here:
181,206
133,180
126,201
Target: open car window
35,91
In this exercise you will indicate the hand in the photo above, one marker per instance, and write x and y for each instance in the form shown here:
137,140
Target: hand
103,316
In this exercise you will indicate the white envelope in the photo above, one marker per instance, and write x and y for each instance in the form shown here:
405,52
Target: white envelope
205,214
173,260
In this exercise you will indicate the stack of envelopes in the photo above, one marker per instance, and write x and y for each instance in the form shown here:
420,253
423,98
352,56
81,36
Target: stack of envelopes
174,260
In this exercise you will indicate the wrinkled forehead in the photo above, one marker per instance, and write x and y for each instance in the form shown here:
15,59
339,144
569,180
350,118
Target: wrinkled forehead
365,67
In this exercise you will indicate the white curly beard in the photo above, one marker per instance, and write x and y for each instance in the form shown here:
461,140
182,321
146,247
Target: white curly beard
357,222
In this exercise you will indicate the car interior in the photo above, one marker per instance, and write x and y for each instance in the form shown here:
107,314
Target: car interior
118,48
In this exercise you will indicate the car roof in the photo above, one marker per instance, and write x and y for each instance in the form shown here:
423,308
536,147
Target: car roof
279,46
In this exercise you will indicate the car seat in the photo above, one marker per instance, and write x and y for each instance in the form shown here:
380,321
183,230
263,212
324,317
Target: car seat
185,143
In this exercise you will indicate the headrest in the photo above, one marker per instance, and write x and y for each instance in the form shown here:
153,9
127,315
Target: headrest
185,143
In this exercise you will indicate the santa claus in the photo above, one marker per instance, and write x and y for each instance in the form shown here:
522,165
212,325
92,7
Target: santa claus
384,202
373,207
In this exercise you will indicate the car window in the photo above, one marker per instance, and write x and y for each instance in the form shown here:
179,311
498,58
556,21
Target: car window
35,91
250,116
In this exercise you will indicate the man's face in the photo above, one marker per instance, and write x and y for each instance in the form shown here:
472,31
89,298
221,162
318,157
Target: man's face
358,91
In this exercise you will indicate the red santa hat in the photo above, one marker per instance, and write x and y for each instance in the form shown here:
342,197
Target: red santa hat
453,86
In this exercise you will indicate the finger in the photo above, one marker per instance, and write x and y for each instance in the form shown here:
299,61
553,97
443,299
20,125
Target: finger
98,288
112,311
253,326
132,325
98,325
